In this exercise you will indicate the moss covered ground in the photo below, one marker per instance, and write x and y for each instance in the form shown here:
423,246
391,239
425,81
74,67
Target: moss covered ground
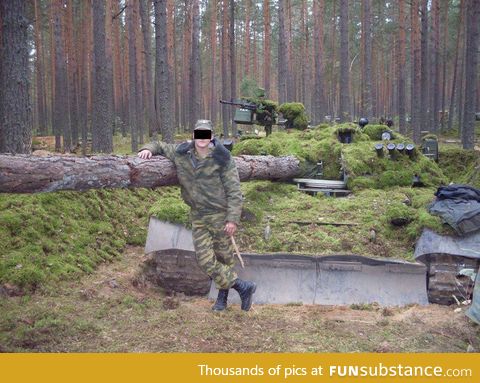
49,237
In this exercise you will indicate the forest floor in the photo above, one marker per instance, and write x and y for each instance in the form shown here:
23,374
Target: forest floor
112,310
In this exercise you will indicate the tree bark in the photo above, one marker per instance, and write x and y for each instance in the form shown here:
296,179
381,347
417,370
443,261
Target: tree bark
61,113
344,107
32,174
233,61
471,60
266,44
162,72
132,105
150,99
318,102
367,101
40,72
282,54
102,140
15,108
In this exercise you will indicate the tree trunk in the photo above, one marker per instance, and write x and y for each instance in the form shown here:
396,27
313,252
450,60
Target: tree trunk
455,67
233,60
318,102
61,114
282,54
32,174
435,67
266,46
248,6
424,115
367,60
102,140
444,65
132,75
213,65
15,108
162,72
150,99
344,108
415,73
195,95
40,71
223,63
471,70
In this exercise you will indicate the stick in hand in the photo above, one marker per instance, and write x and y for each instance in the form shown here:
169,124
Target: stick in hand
237,251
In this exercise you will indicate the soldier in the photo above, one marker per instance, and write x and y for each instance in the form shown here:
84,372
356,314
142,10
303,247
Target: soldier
211,187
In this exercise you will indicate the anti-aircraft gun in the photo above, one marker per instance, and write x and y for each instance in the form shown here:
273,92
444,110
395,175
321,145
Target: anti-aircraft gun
255,110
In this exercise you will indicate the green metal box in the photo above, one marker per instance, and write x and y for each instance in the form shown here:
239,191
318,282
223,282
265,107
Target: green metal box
243,116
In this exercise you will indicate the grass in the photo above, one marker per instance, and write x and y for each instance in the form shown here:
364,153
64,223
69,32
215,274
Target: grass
89,314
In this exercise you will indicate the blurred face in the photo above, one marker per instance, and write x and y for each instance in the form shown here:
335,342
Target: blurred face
202,138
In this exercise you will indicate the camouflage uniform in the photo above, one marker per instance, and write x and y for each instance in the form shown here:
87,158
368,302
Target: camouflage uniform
211,187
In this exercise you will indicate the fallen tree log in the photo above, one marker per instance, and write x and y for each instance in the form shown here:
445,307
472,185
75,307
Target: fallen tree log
32,174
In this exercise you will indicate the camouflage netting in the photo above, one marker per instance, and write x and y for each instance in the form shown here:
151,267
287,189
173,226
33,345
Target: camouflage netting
362,166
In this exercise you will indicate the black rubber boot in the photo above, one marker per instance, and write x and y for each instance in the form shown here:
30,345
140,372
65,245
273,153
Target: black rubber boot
245,290
221,302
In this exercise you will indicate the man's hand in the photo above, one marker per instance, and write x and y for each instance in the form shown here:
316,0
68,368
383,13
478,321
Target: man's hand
145,154
230,228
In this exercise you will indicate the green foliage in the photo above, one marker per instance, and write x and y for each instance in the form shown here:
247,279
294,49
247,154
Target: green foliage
294,113
171,209
47,237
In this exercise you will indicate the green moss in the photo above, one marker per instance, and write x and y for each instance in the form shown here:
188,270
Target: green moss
294,113
171,209
51,236
399,213
375,131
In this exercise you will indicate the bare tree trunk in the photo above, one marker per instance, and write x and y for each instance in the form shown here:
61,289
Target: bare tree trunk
248,7
444,66
172,68
32,174
15,108
61,114
102,140
266,46
318,102
223,63
40,71
162,71
213,65
367,60
344,110
282,54
424,115
455,67
471,71
435,67
132,75
146,34
233,61
415,73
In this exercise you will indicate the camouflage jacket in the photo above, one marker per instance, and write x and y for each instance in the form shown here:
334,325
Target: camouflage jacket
210,185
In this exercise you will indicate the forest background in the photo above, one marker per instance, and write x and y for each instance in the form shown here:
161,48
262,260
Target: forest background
83,69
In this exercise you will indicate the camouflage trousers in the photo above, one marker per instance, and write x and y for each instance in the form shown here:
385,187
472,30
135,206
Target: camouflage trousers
214,249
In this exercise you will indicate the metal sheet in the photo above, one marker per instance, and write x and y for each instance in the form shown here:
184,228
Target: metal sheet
433,243
324,280
294,278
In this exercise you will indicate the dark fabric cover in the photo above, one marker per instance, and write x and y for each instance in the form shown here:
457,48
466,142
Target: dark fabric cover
459,206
